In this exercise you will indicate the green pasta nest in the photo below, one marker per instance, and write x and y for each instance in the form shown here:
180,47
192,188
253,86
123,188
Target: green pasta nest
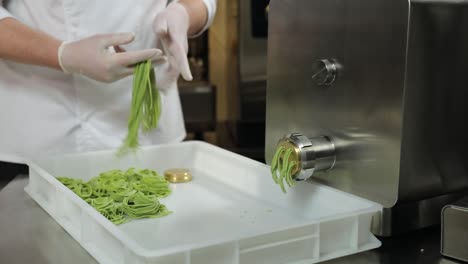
122,196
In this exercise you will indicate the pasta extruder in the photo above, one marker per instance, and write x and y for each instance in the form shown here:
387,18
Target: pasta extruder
371,97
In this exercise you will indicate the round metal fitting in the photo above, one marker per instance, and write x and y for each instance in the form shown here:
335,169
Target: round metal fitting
325,71
311,154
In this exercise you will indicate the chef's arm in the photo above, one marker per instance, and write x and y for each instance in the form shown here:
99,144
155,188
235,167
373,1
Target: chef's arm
89,56
23,44
201,14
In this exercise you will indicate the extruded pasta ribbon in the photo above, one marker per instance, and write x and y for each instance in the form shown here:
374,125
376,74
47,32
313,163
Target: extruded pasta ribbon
145,108
282,168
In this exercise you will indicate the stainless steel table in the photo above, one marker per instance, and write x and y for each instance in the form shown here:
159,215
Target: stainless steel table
29,235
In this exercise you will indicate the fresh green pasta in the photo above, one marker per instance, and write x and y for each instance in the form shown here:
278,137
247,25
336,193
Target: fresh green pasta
282,168
123,195
145,108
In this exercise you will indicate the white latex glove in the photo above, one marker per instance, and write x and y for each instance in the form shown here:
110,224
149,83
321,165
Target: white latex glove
95,58
171,27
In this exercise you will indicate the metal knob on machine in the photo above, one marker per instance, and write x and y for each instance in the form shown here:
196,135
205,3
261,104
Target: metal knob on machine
311,154
325,71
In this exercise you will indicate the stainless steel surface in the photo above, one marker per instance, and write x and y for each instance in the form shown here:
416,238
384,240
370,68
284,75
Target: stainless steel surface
412,215
454,239
320,154
434,144
30,235
362,111
396,111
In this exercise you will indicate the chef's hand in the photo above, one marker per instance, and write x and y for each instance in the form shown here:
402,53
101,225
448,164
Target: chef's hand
171,27
94,57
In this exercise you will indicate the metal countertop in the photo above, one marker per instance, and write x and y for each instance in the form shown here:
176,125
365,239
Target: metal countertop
29,235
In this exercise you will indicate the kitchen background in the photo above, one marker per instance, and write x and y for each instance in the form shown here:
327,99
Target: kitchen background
230,62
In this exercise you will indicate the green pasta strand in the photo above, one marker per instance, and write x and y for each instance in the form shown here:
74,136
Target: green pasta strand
145,107
282,168
122,196
291,166
275,162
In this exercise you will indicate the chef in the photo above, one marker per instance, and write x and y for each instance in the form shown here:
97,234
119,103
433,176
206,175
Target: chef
66,66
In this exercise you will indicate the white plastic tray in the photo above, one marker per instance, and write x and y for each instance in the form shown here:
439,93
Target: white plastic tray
231,212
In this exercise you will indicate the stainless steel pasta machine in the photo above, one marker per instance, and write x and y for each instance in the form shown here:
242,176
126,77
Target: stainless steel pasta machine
372,97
